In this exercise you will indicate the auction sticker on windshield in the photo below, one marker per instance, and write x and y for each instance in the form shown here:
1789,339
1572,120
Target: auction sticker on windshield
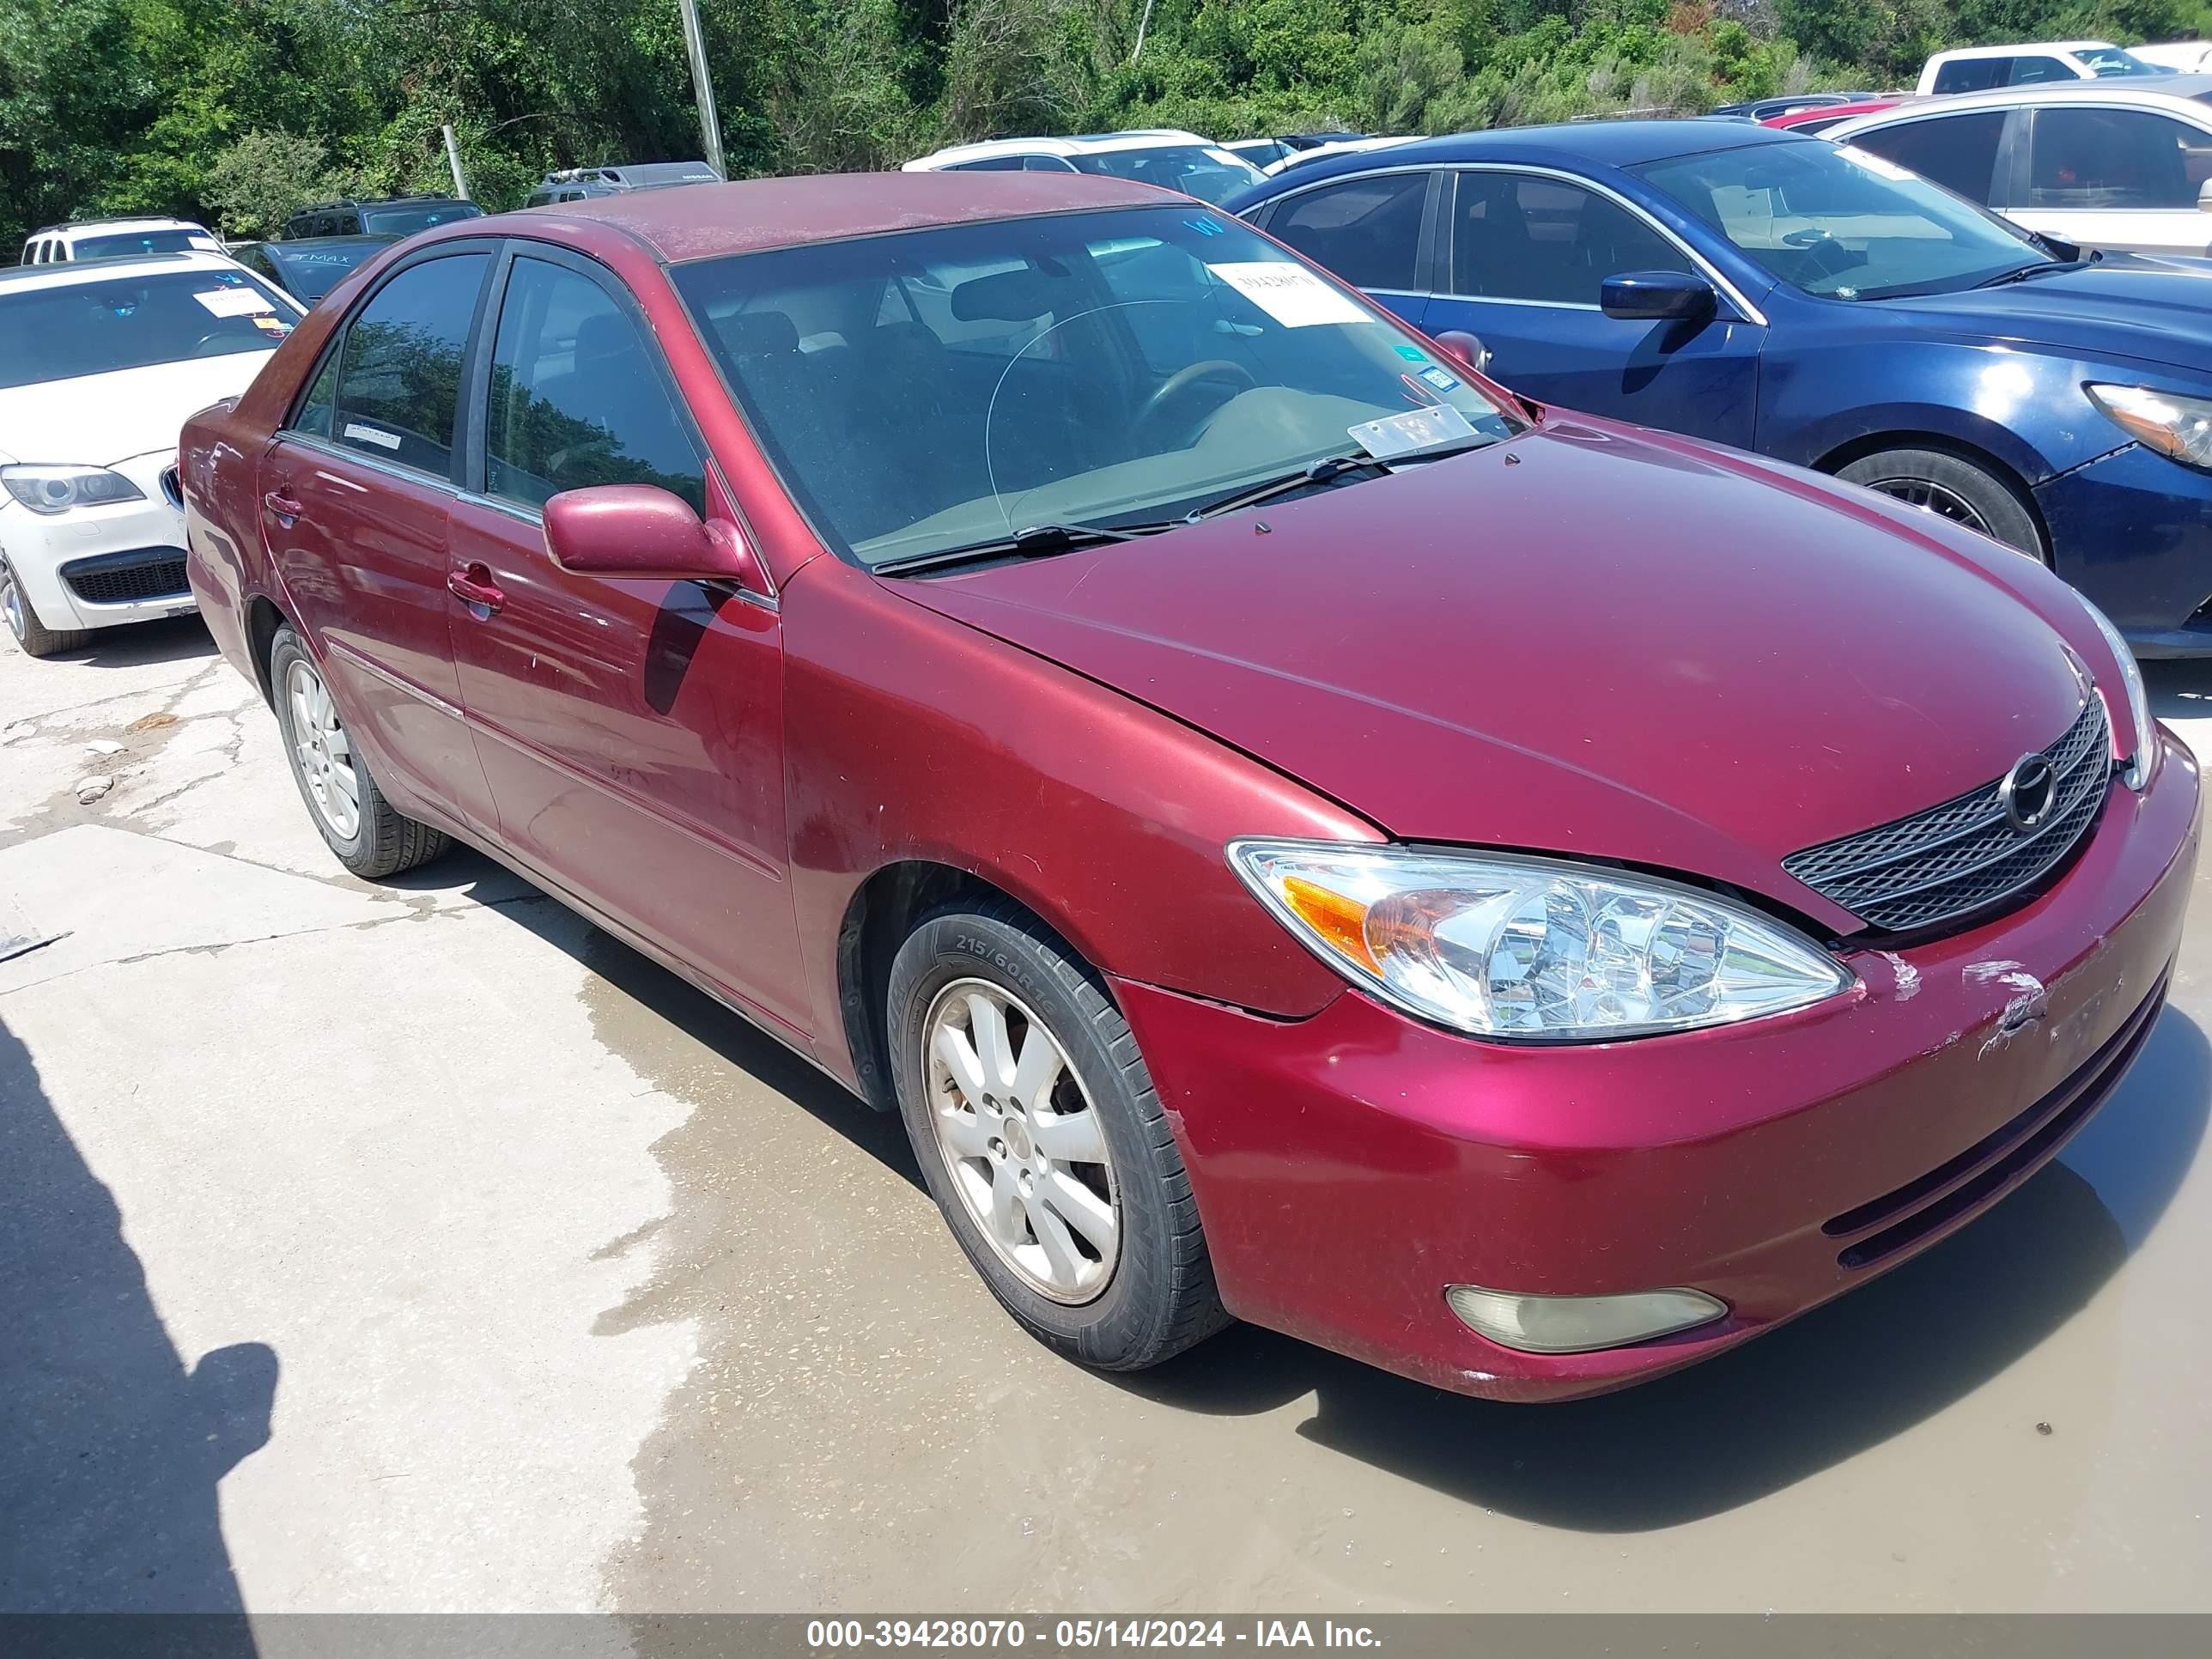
1291,294
1416,428
233,301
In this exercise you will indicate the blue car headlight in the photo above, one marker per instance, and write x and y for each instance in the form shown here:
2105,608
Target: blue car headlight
2178,427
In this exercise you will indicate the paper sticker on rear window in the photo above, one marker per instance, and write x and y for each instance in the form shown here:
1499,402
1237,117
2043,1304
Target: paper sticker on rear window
1291,294
233,301
370,435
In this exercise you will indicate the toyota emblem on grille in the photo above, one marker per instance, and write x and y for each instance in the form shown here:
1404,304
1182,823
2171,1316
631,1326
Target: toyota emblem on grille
2027,792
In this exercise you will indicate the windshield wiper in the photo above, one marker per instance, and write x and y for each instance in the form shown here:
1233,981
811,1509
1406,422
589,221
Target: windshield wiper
1334,466
2021,273
1028,542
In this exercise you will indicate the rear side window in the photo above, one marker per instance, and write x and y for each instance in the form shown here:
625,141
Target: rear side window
1958,152
2115,158
400,373
989,164
2027,71
576,399
1520,237
1368,231
1971,73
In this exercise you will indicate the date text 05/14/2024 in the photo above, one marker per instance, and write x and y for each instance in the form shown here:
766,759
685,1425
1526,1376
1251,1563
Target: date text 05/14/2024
1071,1634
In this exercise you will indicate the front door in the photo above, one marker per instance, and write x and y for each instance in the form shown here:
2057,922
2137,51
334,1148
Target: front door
357,489
1526,258
2125,180
632,730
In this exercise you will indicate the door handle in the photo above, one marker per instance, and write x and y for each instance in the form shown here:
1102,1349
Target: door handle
475,585
284,504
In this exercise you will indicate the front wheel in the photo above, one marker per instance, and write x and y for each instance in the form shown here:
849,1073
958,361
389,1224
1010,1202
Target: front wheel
1042,1140
371,837
36,639
1938,482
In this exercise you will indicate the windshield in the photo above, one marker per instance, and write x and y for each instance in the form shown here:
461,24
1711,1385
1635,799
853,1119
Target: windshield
2101,61
1202,170
406,221
929,390
1842,222
123,243
59,332
315,270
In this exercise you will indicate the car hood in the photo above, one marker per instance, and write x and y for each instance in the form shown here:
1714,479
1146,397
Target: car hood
2125,305
100,419
1588,640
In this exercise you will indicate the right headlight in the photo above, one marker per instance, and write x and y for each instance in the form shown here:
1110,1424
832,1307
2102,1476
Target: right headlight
2171,424
1501,945
51,490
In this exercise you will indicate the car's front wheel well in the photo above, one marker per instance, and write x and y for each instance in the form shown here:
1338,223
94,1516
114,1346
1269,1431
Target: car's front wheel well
263,619
1878,443
883,913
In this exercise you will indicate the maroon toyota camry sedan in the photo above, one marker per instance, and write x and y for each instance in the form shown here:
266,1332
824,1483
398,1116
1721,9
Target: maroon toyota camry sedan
1299,833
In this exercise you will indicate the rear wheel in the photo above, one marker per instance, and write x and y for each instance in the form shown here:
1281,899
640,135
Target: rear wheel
35,636
1042,1142
1940,482
371,838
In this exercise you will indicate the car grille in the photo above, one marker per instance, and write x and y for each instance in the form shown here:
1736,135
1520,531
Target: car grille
172,486
146,573
1927,1203
1963,857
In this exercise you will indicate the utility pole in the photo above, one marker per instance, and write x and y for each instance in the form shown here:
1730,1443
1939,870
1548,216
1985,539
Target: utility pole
1143,23
453,161
702,85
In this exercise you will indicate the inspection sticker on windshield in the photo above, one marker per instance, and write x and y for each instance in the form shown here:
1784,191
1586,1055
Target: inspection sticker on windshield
1416,428
1440,379
233,301
1291,294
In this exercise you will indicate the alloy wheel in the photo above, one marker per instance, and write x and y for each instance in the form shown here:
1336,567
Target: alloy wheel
1024,1144
11,603
1932,497
322,750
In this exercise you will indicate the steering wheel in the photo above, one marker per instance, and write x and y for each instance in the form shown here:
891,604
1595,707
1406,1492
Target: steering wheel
1178,385
216,344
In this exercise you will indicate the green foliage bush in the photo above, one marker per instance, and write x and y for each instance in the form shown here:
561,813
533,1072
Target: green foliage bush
236,111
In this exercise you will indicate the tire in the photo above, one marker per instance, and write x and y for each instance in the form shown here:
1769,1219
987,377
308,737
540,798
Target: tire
1953,488
1157,1295
375,839
35,636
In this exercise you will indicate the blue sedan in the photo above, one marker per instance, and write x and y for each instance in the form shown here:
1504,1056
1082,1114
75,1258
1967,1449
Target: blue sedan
1818,305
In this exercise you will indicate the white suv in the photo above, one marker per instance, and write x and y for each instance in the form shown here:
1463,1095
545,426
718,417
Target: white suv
1978,68
100,362
116,239
1167,156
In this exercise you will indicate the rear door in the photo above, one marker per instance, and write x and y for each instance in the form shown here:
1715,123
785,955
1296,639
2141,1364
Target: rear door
1526,255
357,488
632,730
1962,153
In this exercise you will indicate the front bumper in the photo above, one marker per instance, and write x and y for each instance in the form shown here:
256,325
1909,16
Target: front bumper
102,566
2133,530
1349,1166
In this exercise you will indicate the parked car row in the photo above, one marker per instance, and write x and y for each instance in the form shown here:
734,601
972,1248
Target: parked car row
1298,831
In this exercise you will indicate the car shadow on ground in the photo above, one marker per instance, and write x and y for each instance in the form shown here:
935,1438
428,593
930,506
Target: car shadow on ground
141,645
113,1446
1722,1434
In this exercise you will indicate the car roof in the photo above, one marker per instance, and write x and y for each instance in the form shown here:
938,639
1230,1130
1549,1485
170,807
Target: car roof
69,271
1571,144
2177,92
1088,144
367,239
2025,45
702,222
133,221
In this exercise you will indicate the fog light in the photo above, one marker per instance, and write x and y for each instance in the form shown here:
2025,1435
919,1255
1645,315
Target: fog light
1579,1324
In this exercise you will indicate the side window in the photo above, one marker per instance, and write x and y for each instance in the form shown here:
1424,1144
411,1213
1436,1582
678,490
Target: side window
1368,231
313,414
400,373
575,398
2027,71
1958,152
1519,238
1047,164
1971,73
2112,158
989,164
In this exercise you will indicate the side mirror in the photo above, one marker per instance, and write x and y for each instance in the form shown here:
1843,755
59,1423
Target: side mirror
644,532
1463,348
1658,295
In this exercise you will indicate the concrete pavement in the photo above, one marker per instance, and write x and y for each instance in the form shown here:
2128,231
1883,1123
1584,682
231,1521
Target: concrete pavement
417,1247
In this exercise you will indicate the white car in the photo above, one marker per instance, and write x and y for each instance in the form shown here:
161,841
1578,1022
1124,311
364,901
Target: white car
100,362
1979,69
2122,166
1298,158
116,239
1167,156
2176,56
